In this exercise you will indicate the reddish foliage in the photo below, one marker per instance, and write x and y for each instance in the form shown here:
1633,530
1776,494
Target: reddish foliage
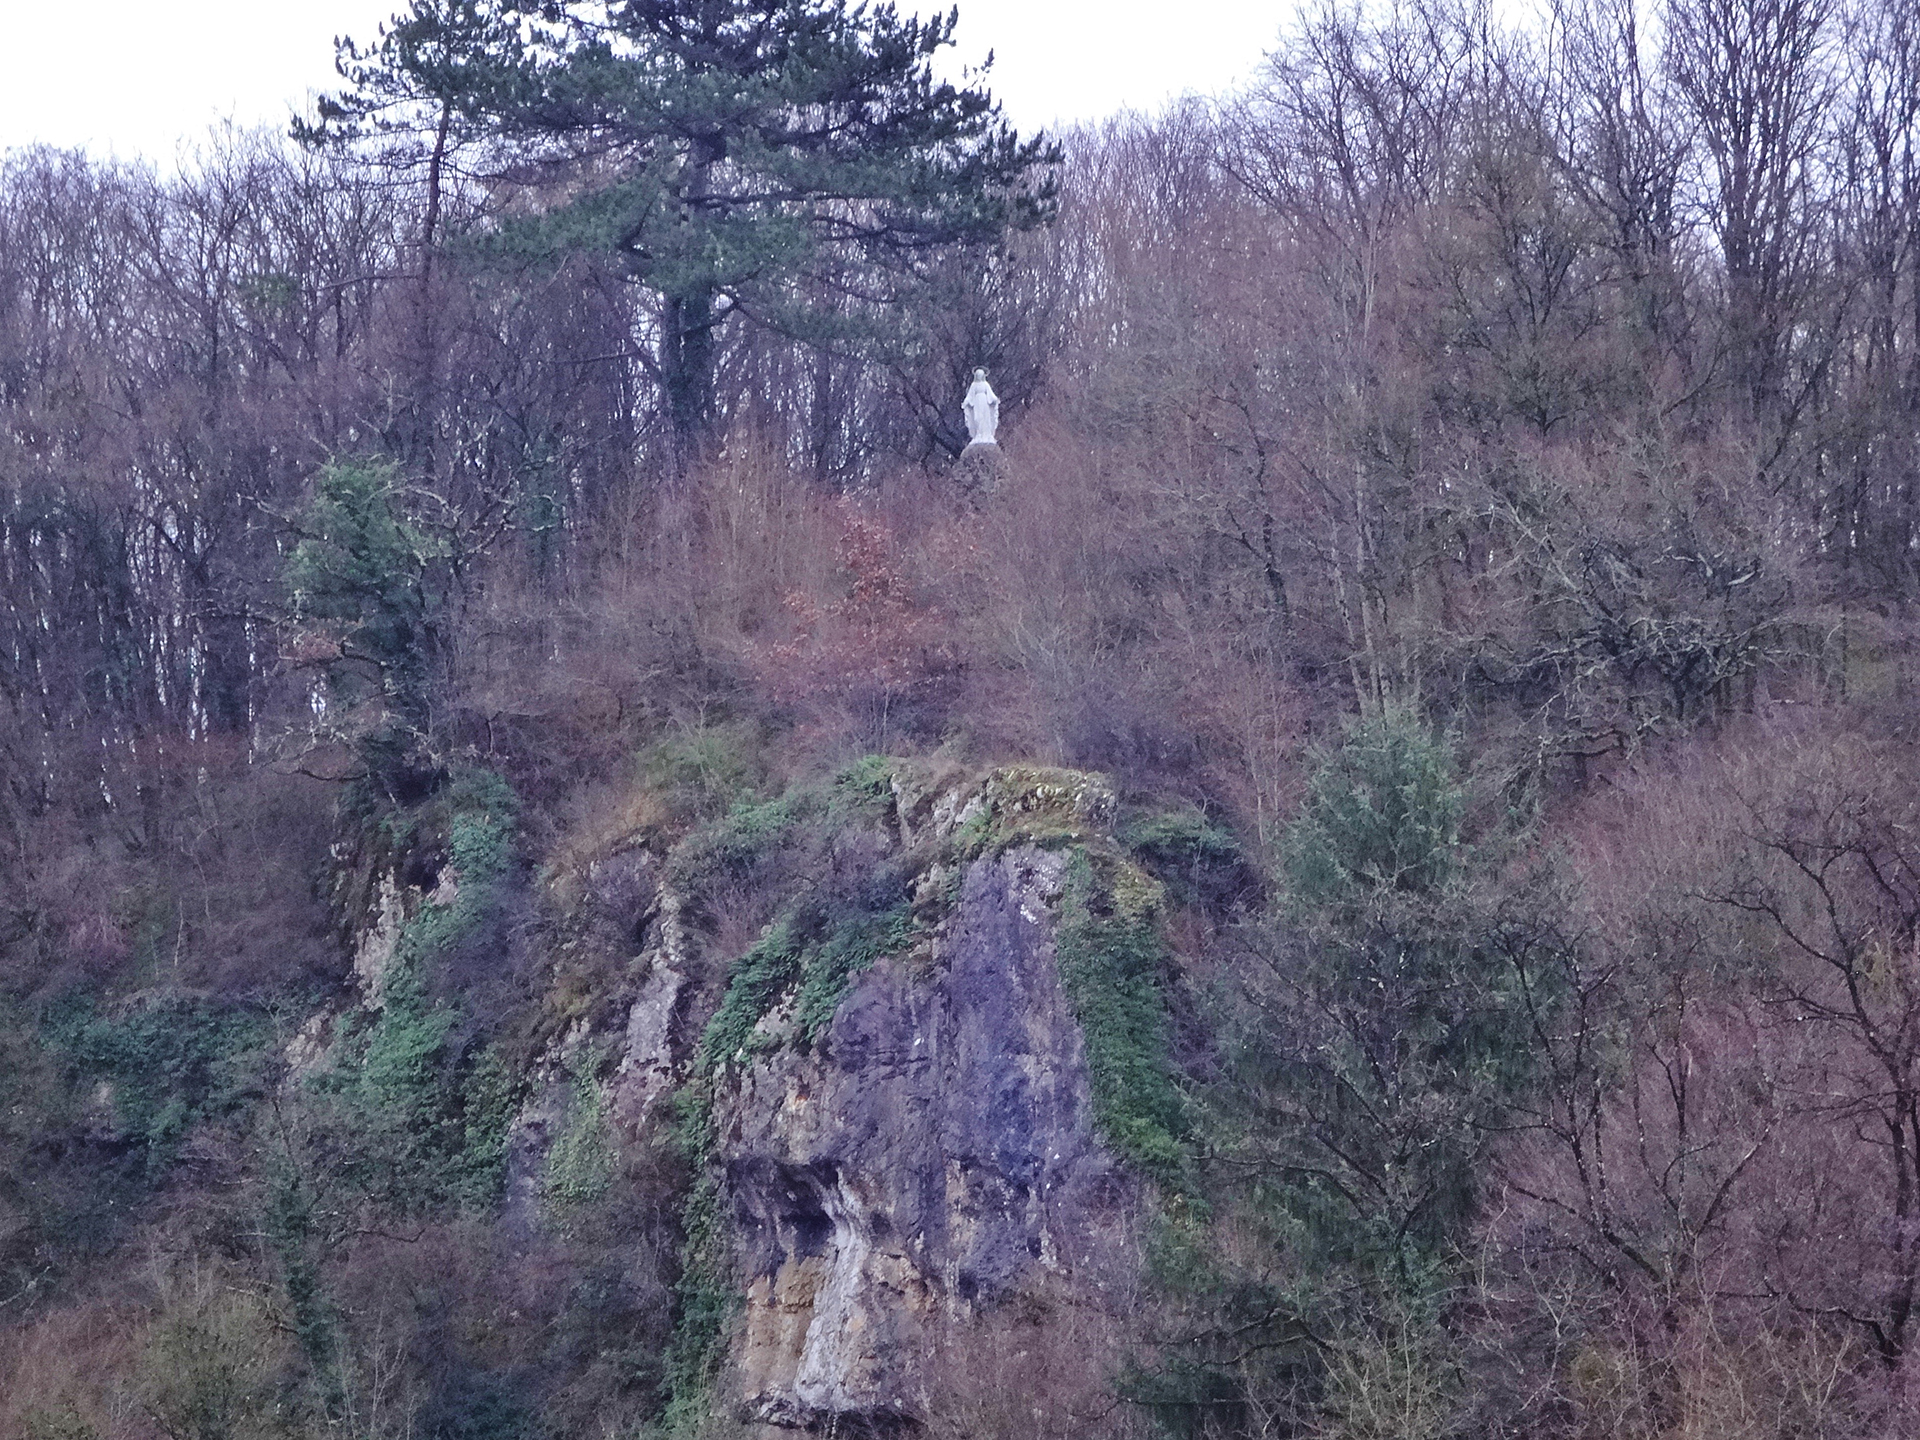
875,649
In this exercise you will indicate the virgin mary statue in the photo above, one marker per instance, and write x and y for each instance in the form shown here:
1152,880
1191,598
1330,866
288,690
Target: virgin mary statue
982,409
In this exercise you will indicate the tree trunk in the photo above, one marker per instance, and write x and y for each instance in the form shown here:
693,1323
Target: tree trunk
686,373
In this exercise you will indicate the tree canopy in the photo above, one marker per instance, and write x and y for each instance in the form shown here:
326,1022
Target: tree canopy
790,163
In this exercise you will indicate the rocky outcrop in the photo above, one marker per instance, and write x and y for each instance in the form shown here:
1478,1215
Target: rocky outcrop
931,1160
846,1005
914,1193
981,472
654,1047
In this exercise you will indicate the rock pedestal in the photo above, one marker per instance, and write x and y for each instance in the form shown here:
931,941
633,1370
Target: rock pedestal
981,470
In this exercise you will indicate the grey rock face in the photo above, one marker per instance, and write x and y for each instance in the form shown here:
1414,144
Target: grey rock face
933,1159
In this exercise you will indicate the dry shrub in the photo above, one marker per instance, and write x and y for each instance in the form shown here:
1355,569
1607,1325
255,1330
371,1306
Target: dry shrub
567,680
755,530
74,1366
570,1323
1088,613
207,881
214,1358
874,659
1720,1382
1708,1214
1389,1385
188,1348
1038,1366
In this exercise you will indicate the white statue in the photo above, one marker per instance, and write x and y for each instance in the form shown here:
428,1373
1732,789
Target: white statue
982,409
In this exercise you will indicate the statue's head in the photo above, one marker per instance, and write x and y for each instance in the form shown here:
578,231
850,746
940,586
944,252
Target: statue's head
979,374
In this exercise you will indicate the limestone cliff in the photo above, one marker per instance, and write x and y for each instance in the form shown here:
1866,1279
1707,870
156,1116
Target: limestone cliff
931,1159
909,1210
919,1204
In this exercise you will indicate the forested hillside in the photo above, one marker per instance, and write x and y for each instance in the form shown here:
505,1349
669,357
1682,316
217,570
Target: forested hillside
501,672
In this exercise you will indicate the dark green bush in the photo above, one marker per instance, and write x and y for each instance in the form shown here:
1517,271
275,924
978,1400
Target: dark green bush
171,1063
1383,812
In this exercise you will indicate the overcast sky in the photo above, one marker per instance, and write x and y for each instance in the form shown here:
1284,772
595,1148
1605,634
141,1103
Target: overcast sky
136,77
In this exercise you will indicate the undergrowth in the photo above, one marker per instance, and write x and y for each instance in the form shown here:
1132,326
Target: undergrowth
432,1121
1113,964
705,1297
169,1064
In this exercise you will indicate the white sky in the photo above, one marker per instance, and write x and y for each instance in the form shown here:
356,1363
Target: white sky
135,78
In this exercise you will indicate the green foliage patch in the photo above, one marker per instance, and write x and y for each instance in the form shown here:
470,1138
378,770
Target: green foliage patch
1367,1056
803,819
1383,813
370,572
754,985
831,927
866,786
1198,861
705,1297
1113,964
170,1062
827,970
816,965
1180,838
428,1125
581,1163
734,844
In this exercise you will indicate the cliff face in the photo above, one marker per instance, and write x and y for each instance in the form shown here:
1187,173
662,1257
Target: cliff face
931,1160
917,1205
912,1222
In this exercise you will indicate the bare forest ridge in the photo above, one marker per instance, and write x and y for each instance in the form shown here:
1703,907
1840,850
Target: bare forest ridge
497,655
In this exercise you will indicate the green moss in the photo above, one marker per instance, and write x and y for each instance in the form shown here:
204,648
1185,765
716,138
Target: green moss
1194,858
1112,963
817,970
580,1164
1033,805
705,1297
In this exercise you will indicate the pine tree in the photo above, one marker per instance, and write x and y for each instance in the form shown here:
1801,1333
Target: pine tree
741,157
